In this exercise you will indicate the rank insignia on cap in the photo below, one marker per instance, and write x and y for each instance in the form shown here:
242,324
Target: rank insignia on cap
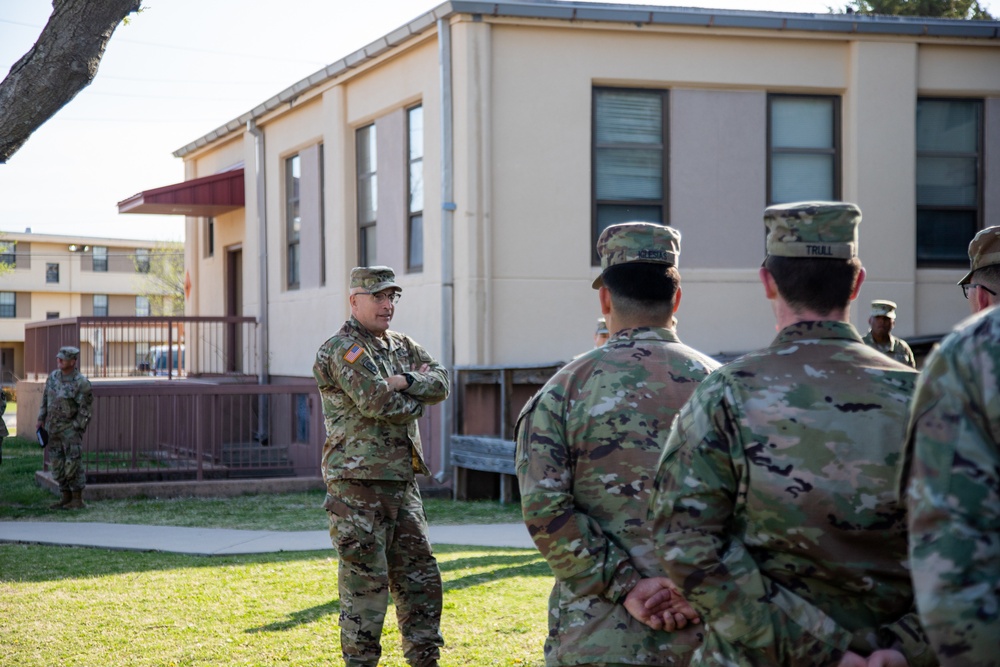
353,353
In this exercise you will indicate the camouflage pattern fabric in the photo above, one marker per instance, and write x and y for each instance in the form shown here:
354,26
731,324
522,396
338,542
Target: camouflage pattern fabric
954,494
371,429
897,349
813,229
371,456
380,532
776,509
65,412
587,447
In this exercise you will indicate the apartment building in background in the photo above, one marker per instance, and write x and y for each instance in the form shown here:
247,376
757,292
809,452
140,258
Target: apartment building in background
52,277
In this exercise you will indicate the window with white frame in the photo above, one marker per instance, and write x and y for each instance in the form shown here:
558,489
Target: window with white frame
629,158
367,168
8,253
142,306
100,305
51,272
415,179
8,304
293,220
100,258
142,260
803,157
949,181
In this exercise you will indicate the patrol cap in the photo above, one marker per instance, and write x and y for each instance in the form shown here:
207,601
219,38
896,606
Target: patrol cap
813,230
984,250
883,308
637,242
372,279
602,327
68,352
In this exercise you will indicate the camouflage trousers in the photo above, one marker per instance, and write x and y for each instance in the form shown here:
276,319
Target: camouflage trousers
66,451
380,532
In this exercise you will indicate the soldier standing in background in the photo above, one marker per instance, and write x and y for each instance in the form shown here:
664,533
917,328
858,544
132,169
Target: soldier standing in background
879,336
587,447
776,506
375,384
65,412
952,466
602,334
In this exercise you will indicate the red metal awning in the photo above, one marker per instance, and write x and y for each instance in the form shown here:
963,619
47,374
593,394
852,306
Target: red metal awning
207,196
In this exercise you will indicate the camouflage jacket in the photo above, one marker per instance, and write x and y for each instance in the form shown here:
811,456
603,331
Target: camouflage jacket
897,348
775,505
954,493
587,447
66,402
371,430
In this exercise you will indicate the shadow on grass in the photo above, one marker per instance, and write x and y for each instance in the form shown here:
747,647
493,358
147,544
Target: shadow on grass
505,566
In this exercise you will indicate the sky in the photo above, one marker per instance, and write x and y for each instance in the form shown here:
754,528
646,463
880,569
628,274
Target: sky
175,72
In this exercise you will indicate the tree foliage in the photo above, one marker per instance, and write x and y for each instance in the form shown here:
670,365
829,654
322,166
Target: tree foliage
950,9
61,63
163,283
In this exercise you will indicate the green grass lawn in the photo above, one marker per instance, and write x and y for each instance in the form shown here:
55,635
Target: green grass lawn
73,606
22,499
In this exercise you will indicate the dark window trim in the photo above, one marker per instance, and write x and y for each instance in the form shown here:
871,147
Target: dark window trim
410,215
837,150
664,202
980,190
322,216
292,282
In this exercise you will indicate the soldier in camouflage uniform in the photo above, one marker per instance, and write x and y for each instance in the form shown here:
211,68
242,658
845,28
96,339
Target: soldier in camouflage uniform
953,461
587,447
602,334
65,412
879,336
775,505
375,384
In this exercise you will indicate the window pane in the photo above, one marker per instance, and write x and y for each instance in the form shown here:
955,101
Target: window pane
367,155
629,173
52,273
293,264
946,181
628,117
801,178
801,123
293,178
100,258
416,187
367,246
416,120
608,215
141,306
367,198
950,126
415,252
8,301
943,236
100,305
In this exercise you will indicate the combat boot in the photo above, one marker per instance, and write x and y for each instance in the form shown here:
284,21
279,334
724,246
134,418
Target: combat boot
77,501
67,497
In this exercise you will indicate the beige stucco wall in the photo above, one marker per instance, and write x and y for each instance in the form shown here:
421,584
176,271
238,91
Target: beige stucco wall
522,180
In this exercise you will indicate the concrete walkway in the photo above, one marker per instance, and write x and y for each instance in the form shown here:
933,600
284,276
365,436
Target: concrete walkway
226,542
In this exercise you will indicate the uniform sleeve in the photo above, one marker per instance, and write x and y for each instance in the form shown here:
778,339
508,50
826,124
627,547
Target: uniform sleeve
365,387
954,503
84,406
701,474
577,551
430,386
910,359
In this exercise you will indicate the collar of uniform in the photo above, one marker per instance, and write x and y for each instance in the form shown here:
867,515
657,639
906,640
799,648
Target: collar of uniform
817,330
645,333
369,338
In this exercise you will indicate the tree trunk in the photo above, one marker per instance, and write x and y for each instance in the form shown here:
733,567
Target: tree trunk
62,62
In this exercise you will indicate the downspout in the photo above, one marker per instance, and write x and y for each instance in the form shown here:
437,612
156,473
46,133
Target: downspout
447,244
258,137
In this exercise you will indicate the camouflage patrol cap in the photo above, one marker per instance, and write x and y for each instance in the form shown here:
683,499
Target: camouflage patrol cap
883,308
637,242
602,327
372,279
68,352
813,230
984,250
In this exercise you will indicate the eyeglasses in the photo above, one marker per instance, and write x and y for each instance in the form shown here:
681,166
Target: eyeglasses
382,297
967,286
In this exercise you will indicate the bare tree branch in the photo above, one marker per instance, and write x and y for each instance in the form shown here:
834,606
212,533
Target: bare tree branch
62,62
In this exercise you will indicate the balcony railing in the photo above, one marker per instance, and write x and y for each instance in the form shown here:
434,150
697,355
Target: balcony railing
129,347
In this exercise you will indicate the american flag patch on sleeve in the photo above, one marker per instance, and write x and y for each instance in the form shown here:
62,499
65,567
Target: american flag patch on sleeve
353,353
